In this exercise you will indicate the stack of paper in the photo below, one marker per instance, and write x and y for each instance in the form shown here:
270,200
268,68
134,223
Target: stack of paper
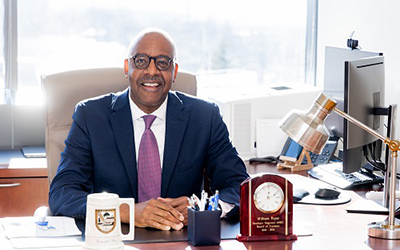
26,233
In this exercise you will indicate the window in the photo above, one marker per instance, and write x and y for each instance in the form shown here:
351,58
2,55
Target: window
268,39
262,42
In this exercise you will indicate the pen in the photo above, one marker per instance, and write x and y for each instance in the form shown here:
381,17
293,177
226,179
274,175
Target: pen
216,200
191,203
196,202
203,200
211,203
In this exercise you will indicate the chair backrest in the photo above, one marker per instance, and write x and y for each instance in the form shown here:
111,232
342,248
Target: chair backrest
64,90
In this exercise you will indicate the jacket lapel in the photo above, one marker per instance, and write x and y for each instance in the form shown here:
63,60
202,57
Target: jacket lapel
176,121
121,123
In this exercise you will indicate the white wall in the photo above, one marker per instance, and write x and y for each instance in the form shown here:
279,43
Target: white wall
376,24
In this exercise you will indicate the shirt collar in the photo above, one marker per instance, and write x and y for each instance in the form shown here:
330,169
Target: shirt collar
137,113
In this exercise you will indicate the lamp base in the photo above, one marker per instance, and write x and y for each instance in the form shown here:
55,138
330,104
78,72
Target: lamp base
382,230
296,164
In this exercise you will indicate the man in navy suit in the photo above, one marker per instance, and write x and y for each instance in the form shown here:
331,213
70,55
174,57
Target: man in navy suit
101,152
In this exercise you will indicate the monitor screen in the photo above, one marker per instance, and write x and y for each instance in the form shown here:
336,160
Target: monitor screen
334,77
353,85
364,90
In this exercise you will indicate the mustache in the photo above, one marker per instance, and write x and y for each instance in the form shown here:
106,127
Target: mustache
152,78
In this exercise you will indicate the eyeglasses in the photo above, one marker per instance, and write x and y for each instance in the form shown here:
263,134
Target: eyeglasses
143,61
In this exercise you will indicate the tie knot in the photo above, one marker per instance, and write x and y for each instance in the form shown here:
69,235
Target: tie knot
148,120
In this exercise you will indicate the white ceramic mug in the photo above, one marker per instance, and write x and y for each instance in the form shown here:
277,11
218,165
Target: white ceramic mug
103,222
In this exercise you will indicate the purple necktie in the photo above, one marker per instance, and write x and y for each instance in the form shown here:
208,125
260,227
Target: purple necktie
149,168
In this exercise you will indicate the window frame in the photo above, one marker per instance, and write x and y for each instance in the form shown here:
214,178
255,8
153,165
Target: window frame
10,49
311,42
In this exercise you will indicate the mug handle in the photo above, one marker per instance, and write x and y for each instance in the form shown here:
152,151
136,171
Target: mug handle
131,203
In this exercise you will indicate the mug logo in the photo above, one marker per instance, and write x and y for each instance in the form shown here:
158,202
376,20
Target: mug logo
105,220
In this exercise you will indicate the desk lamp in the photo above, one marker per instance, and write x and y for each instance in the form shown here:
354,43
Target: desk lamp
307,128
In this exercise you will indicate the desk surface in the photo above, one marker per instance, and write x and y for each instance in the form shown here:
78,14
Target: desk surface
7,155
332,227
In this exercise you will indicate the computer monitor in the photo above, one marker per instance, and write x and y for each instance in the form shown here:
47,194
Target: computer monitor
335,81
364,92
334,78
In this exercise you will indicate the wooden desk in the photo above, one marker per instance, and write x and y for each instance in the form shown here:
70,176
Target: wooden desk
332,227
23,187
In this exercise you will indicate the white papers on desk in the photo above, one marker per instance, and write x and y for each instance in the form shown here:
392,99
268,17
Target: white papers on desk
23,232
47,243
26,227
367,206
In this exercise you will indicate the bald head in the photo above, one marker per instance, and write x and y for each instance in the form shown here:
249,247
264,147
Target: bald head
152,33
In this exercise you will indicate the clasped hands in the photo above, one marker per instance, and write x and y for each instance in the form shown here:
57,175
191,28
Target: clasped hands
160,213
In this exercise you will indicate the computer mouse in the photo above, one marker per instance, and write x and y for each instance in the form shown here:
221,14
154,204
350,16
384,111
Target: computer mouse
327,193
299,194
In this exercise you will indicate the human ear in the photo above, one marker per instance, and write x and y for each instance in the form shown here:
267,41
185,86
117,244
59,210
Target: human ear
126,68
175,71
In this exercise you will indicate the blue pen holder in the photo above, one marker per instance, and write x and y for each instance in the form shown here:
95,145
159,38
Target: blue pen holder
204,227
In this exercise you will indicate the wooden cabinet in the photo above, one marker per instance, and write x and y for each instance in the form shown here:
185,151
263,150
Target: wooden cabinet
23,187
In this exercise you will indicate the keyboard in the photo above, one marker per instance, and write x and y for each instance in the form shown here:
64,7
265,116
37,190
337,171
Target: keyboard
333,175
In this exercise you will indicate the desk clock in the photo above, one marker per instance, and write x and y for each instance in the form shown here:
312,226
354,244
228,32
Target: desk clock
266,209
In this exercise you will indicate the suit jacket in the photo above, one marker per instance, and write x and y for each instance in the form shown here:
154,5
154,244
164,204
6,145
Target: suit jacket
99,155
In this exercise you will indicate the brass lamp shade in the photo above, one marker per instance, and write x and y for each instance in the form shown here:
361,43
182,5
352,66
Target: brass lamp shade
307,128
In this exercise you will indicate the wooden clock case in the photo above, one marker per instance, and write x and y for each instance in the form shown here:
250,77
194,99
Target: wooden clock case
256,225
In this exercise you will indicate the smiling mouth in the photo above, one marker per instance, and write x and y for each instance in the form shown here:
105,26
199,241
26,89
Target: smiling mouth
151,84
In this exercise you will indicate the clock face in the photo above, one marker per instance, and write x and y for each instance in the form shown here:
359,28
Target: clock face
268,197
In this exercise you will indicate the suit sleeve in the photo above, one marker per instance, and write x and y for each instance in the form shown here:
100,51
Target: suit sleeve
225,169
72,183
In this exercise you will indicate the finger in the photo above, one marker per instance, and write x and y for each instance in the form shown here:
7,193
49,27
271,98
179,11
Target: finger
164,222
184,212
165,200
157,225
164,214
181,201
181,204
170,210
158,215
182,208
170,213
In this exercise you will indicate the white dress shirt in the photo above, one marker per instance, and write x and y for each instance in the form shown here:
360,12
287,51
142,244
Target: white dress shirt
158,126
